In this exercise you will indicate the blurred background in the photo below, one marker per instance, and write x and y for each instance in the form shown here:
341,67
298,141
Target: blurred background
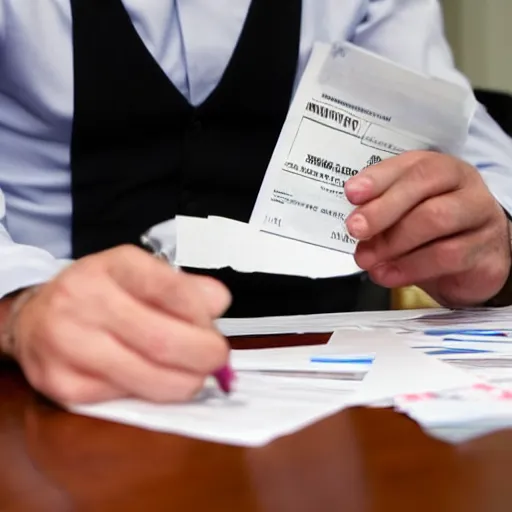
480,32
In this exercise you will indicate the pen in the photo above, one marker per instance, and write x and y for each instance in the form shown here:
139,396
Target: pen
468,332
225,377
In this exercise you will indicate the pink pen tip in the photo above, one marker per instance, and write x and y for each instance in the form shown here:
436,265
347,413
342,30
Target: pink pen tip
225,378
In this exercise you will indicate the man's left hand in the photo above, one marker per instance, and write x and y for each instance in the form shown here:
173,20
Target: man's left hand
429,220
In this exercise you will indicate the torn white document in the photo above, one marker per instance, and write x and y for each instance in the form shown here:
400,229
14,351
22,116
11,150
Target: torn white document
216,242
352,109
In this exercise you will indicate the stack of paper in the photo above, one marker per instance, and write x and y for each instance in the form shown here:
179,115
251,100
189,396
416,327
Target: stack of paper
460,414
479,349
280,391
322,323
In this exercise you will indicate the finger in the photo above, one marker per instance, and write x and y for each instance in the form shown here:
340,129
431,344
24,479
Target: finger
471,288
438,217
372,181
440,258
422,181
66,386
156,283
151,335
156,336
110,361
217,298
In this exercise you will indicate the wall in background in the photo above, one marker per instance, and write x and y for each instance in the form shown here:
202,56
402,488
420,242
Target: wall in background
480,33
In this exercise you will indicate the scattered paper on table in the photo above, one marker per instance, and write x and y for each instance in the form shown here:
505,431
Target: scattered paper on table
453,395
398,368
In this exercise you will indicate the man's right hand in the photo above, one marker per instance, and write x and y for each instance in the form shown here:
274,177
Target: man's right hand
121,324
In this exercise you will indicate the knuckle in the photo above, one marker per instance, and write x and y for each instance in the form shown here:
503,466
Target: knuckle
422,170
450,255
436,214
49,329
128,253
63,291
433,171
120,261
163,282
167,284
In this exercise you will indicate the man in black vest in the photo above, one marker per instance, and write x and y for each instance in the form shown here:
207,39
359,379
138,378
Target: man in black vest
132,115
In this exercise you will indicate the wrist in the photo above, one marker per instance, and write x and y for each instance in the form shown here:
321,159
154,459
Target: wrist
10,309
504,297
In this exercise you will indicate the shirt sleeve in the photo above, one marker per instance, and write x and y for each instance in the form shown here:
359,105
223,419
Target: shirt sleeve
411,32
23,265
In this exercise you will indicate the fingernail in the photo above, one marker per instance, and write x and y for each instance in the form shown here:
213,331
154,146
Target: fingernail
356,188
387,273
357,226
365,257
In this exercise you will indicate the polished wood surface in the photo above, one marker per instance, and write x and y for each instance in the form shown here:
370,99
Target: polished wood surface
359,460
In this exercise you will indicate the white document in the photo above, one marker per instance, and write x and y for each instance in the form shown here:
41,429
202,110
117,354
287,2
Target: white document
217,242
458,415
461,319
399,369
261,409
352,109
321,362
310,324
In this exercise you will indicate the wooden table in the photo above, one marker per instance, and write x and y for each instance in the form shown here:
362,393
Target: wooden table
359,460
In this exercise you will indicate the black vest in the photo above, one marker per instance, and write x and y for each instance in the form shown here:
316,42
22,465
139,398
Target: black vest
141,154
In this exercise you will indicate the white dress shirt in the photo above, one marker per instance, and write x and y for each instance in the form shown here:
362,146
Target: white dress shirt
192,40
